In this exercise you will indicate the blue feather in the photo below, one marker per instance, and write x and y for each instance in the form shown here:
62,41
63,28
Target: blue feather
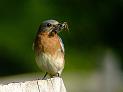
62,45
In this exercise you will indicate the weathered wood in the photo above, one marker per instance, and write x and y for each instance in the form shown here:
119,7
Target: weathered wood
49,85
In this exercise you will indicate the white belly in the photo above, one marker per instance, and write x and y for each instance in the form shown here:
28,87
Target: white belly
51,64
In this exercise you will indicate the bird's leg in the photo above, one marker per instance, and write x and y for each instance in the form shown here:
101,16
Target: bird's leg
45,75
58,75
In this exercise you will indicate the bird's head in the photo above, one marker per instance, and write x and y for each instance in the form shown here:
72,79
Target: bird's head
52,26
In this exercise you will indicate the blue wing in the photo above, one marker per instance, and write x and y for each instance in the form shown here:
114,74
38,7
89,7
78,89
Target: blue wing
62,45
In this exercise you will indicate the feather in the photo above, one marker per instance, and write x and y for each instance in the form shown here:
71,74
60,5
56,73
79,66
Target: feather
62,45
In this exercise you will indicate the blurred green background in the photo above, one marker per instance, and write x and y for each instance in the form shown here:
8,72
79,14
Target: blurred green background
95,27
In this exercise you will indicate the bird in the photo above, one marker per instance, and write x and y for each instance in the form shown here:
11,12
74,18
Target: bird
49,48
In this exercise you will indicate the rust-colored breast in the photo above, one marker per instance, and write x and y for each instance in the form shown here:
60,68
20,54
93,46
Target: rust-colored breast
46,43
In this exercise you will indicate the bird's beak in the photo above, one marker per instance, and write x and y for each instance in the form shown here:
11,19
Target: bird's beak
57,28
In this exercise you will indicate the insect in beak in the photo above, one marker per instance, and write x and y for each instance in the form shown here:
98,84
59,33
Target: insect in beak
63,26
60,27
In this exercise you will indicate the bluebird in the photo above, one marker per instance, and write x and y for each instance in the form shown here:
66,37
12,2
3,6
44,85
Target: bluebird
49,48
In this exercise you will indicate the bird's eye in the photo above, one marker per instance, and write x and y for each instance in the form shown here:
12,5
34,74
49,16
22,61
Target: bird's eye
49,25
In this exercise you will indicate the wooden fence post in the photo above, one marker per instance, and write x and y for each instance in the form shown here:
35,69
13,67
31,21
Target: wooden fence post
50,85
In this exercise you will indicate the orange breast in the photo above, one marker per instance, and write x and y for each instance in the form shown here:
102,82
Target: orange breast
46,43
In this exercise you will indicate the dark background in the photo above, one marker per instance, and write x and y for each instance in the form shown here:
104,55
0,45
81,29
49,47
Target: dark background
94,27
